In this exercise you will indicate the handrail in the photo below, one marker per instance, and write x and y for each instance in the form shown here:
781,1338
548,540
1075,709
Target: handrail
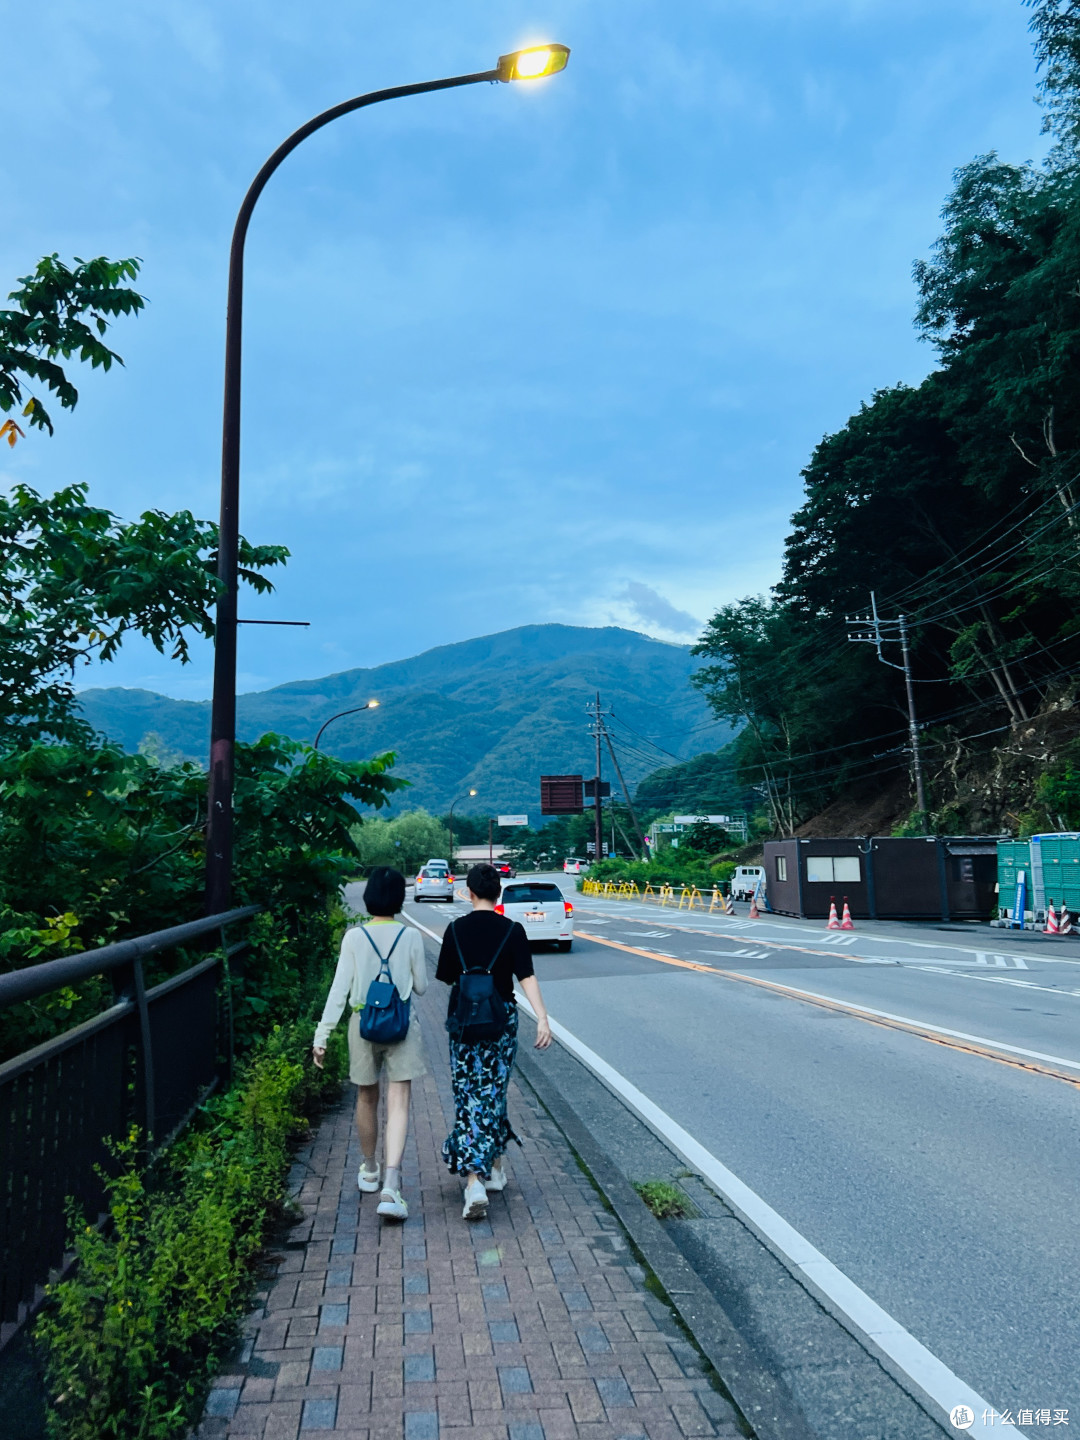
35,980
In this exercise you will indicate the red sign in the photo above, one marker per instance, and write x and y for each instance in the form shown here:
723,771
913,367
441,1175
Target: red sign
561,795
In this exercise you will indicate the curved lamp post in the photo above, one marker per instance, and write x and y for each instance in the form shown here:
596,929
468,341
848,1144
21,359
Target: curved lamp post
450,826
528,64
368,705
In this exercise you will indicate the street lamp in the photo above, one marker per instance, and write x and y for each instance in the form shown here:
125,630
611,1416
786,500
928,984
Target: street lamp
450,825
369,705
531,63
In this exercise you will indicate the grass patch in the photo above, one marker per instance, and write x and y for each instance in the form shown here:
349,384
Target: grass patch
666,1201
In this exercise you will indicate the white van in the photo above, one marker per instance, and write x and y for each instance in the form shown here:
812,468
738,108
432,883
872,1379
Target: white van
746,880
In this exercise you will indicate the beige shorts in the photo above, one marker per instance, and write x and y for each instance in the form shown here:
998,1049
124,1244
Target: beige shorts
404,1061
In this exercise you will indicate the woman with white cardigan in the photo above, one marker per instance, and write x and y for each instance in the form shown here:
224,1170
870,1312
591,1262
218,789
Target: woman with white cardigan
364,949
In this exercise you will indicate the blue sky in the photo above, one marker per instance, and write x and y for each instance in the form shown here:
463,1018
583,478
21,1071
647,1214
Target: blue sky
513,353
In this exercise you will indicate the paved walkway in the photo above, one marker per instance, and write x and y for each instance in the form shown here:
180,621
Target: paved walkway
535,1324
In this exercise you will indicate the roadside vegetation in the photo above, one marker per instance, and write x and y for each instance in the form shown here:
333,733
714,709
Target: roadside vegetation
98,845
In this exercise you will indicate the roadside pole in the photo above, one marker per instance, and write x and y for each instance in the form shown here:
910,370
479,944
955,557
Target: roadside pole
599,825
916,758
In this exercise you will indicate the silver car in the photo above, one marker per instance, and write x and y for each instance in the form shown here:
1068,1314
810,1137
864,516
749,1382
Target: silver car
542,909
434,883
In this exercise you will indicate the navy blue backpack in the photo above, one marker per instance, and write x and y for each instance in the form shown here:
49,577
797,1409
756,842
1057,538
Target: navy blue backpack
384,1015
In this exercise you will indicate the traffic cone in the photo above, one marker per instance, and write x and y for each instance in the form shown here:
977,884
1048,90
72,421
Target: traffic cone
847,923
1051,927
834,919
1065,925
754,915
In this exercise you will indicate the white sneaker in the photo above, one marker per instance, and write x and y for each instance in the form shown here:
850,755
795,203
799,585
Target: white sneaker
368,1180
393,1205
499,1178
476,1200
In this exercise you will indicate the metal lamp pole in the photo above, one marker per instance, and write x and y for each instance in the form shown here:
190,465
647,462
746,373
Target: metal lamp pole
528,64
369,705
450,825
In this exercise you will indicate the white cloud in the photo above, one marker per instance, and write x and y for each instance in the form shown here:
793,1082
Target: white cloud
651,608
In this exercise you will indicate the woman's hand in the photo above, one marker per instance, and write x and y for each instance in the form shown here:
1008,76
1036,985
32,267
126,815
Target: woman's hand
543,1033
318,1054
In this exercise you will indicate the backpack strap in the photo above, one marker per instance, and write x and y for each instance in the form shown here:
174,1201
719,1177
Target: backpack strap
384,960
461,958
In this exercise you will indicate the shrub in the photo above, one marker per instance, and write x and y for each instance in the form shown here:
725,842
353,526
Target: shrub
671,868
131,1338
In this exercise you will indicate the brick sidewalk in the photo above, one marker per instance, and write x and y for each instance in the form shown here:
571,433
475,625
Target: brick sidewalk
534,1324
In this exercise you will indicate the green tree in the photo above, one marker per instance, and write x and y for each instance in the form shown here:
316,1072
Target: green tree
404,842
59,312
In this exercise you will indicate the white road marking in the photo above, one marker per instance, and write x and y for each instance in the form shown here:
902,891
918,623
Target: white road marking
935,1378
995,979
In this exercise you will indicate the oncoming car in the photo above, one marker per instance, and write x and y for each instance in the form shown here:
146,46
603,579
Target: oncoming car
542,910
573,866
434,882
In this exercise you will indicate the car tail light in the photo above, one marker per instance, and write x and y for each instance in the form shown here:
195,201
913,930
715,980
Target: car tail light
567,907
500,909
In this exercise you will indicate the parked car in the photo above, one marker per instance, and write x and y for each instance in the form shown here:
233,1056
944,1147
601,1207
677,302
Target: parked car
504,868
542,909
573,866
434,882
746,880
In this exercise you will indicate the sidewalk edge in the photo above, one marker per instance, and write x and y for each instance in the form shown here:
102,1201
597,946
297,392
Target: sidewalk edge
764,1401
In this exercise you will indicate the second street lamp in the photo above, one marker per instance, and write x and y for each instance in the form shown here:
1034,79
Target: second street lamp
355,710
531,63
450,827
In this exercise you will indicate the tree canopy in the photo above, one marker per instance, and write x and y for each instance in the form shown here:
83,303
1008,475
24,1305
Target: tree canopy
955,501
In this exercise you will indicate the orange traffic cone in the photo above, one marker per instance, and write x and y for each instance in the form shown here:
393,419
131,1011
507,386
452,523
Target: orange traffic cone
847,923
834,919
1051,927
1065,925
754,914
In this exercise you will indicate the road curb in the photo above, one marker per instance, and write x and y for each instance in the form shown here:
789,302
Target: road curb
762,1398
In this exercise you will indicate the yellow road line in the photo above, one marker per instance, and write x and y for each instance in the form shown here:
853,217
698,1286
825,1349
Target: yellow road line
927,1033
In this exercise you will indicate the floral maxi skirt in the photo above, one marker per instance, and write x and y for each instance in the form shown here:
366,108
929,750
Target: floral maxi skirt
480,1074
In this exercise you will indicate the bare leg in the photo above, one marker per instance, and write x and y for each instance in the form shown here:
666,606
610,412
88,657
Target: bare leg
398,1093
367,1118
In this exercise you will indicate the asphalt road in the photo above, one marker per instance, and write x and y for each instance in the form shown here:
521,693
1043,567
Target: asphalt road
942,1181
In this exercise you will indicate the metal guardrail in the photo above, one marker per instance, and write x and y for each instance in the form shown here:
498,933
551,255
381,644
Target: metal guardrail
150,1059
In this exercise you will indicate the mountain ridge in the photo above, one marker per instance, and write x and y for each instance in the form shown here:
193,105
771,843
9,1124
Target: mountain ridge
488,713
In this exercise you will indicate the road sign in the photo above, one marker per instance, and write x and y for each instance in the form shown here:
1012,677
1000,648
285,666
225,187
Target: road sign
513,820
560,795
590,789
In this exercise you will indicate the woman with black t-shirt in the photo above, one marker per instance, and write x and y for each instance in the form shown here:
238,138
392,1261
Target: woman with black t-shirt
480,1069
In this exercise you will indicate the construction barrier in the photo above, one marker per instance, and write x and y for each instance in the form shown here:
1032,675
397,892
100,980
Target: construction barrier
688,897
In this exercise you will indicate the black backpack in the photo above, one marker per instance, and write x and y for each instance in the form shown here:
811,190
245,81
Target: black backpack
477,1012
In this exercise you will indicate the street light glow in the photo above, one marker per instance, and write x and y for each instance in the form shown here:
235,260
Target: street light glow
533,62
373,704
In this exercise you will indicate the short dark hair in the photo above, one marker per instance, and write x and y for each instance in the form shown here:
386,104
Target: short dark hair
384,893
484,882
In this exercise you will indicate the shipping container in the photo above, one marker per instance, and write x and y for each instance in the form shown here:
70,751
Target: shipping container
1051,864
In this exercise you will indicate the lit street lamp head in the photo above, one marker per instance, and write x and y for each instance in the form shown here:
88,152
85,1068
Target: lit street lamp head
534,62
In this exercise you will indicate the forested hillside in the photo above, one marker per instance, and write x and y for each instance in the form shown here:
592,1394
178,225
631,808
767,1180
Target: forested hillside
957,503
488,714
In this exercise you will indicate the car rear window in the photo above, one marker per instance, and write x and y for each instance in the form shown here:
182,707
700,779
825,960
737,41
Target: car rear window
531,895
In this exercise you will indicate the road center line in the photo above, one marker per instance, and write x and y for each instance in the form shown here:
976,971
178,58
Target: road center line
932,1376
938,1034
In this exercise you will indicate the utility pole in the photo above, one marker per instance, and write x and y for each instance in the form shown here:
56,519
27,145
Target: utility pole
599,825
874,635
625,791
491,852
